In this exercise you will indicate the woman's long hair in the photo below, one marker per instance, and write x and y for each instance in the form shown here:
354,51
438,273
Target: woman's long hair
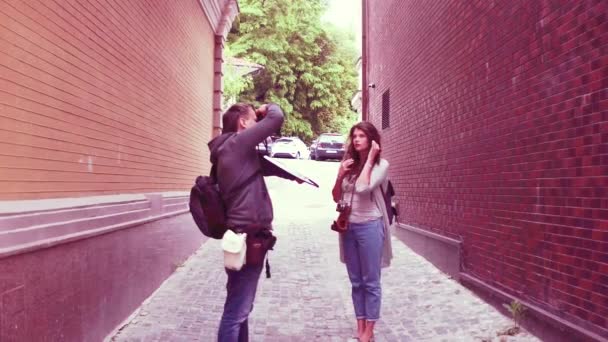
372,135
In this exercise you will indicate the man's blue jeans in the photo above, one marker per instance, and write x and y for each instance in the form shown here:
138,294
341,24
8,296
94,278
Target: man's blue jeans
363,244
241,288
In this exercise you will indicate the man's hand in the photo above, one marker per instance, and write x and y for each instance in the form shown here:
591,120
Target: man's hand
345,166
261,111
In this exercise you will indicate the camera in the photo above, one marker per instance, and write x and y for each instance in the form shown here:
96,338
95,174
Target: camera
258,116
341,206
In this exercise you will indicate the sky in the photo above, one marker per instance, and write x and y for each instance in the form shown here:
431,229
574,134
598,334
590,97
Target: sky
346,14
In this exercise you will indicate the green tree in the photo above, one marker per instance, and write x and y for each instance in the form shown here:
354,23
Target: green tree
233,83
309,67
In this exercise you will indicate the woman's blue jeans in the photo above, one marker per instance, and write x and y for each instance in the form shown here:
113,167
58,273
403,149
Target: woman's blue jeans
363,244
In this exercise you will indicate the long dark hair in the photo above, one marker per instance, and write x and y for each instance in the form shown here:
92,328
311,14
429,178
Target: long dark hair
372,135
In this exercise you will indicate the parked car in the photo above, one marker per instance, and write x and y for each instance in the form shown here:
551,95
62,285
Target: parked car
311,148
264,147
289,147
329,146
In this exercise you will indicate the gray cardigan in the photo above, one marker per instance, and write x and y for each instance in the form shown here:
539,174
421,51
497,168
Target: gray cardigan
379,176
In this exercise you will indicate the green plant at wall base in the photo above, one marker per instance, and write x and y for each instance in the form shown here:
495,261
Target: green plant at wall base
309,66
517,310
178,264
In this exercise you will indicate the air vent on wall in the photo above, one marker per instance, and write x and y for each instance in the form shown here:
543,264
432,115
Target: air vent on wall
386,109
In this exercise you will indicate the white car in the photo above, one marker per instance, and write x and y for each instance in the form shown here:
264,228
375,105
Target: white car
264,147
291,147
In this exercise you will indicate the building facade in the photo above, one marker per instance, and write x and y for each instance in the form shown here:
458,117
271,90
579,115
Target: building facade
495,121
356,102
106,108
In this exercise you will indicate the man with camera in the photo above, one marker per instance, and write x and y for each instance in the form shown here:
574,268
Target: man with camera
240,172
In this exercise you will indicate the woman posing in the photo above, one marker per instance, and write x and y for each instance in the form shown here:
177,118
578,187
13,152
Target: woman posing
365,246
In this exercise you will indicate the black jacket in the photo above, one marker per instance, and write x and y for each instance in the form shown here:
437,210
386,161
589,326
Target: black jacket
240,172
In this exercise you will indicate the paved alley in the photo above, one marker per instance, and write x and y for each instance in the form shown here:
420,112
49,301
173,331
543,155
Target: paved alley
308,296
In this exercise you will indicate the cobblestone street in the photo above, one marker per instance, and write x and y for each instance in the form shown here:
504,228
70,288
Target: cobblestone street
308,296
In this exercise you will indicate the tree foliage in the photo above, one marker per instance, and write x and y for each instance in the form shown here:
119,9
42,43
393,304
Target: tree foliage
309,67
233,82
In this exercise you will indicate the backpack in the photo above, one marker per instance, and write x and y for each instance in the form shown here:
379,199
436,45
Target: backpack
207,207
388,202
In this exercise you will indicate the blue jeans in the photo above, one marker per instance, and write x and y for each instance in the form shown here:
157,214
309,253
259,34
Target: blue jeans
363,255
241,288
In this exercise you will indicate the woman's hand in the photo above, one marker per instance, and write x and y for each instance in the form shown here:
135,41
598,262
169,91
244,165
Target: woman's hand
345,166
373,152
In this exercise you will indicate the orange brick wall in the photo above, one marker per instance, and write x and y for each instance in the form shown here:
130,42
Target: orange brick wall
103,97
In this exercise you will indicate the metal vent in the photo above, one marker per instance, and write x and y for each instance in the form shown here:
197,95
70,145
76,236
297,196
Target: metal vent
386,109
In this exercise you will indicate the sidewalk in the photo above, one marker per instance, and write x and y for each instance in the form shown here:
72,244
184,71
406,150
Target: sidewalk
308,296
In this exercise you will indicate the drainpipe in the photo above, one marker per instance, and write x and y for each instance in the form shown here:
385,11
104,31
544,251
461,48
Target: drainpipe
229,12
364,61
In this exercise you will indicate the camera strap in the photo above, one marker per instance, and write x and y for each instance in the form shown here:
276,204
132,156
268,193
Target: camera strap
352,194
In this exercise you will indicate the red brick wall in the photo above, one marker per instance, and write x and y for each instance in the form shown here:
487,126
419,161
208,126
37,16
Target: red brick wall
102,97
499,136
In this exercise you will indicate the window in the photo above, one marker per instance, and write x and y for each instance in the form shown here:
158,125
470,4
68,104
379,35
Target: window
386,109
331,138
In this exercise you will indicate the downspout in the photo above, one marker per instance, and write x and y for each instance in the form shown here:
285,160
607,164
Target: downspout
229,12
364,62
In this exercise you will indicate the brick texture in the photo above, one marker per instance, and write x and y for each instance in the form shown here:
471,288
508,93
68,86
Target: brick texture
499,137
102,97
82,290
